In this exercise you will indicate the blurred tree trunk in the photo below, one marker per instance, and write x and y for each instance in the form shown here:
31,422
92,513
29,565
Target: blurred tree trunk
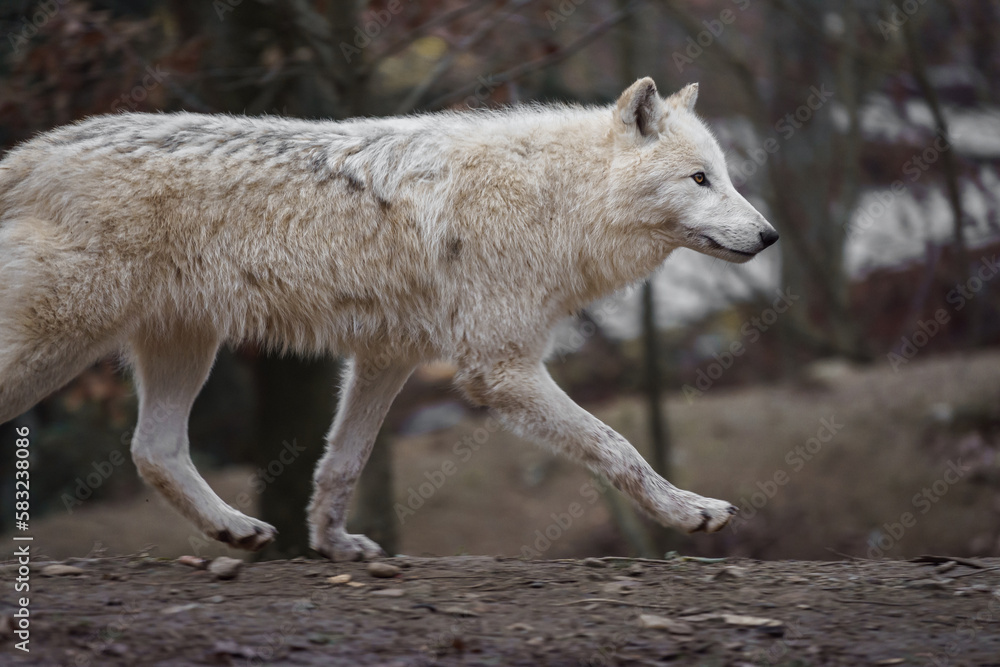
373,513
629,522
645,537
659,432
803,187
659,437
296,410
297,395
961,269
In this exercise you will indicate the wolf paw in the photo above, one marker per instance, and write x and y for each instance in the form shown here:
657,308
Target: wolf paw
346,547
709,515
243,532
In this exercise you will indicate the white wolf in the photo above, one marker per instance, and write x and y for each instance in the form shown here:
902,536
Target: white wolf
458,236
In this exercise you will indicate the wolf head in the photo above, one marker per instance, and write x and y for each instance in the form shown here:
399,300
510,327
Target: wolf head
669,176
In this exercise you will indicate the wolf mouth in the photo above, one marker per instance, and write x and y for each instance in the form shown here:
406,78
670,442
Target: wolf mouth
715,245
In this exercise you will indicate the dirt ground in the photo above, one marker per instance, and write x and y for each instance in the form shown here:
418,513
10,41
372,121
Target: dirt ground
477,610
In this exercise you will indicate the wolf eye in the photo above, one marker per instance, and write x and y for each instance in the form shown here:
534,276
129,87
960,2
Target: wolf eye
700,178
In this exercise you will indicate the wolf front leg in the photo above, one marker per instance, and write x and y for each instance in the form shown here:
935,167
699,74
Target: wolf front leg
529,402
368,391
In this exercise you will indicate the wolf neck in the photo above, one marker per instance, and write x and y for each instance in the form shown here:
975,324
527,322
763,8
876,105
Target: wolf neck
554,166
617,251
612,248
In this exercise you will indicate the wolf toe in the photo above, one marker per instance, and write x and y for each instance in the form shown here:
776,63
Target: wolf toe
243,532
712,515
346,547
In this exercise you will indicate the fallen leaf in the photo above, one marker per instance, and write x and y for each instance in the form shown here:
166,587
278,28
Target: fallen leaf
194,561
180,608
751,621
663,623
670,555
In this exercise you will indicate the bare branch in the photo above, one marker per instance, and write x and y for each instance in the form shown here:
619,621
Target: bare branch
941,127
721,51
405,40
948,164
445,63
318,33
551,59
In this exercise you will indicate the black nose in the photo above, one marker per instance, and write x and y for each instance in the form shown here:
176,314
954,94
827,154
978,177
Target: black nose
768,238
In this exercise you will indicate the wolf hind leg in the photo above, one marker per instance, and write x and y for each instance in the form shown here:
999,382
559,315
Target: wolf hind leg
56,316
170,369
31,370
369,389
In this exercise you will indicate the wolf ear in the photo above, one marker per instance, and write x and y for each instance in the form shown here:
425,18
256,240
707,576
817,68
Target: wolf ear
685,97
640,107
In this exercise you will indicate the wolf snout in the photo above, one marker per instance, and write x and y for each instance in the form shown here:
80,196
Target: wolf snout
768,238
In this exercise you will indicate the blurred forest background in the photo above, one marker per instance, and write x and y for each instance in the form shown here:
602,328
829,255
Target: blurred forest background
843,389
